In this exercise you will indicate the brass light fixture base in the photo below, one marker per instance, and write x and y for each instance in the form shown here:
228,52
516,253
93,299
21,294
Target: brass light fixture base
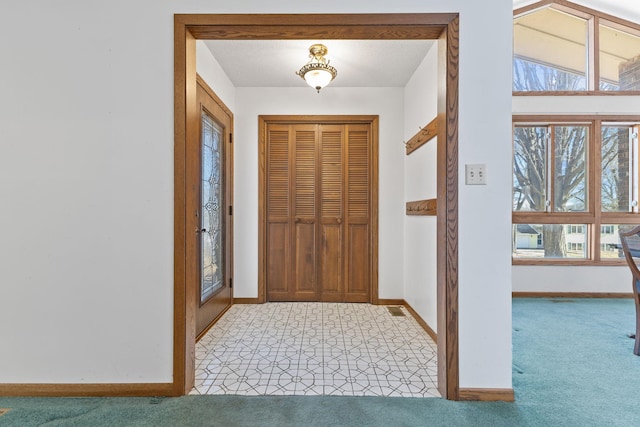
318,51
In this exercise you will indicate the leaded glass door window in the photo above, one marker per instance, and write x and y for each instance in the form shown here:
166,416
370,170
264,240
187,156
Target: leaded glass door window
211,203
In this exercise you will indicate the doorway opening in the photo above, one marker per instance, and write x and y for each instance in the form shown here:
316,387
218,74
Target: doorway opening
441,27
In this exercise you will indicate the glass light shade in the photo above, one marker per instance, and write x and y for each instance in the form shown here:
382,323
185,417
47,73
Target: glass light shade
318,78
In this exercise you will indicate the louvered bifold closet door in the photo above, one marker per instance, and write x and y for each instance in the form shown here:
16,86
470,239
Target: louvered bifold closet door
318,242
358,221
305,284
278,238
331,268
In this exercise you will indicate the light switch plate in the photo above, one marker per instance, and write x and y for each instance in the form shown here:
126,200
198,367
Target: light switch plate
476,174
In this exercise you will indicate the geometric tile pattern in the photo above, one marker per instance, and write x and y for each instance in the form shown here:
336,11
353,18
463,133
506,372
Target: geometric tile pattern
316,349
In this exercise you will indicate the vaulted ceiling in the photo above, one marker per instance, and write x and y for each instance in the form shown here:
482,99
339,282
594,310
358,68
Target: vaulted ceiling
360,63
625,9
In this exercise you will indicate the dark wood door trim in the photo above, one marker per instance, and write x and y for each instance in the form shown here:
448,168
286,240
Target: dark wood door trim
263,122
445,28
447,213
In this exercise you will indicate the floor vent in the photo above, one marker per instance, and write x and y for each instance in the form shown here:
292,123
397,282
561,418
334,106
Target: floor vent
3,411
396,311
562,300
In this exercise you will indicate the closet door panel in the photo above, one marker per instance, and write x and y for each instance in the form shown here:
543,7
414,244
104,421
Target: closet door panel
305,261
305,217
358,214
278,259
331,212
331,262
278,244
358,279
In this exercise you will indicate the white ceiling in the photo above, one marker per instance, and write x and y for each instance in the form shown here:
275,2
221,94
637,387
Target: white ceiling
360,63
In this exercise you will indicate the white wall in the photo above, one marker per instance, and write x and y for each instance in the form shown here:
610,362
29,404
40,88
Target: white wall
210,70
485,211
86,193
420,107
570,278
534,278
385,102
576,105
86,185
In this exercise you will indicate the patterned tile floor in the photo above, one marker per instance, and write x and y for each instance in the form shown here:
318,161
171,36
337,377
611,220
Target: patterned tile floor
316,349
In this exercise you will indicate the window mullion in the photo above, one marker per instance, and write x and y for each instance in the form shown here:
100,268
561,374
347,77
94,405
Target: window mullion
551,166
593,53
633,148
594,191
595,168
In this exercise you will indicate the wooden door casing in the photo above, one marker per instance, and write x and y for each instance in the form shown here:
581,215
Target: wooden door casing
443,27
319,232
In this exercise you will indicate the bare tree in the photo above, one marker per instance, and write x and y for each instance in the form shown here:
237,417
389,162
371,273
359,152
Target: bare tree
569,144
533,76
615,169
530,153
530,172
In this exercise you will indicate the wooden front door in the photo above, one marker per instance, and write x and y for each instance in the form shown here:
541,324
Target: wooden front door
214,233
318,218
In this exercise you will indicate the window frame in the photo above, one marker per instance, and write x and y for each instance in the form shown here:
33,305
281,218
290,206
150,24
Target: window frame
551,125
592,217
594,20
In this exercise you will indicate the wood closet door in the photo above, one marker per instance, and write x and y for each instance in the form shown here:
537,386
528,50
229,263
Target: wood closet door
317,185
278,221
291,213
331,213
358,222
304,286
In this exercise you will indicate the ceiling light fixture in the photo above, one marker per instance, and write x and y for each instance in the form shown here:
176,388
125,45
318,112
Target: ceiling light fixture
317,72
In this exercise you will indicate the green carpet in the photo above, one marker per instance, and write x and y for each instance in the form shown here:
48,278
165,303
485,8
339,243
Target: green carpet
573,366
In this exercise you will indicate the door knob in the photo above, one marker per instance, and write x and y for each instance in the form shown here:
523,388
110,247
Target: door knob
339,220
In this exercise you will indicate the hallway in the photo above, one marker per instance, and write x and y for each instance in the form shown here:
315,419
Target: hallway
316,349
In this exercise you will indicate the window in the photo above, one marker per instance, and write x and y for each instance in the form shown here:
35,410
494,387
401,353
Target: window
610,246
575,229
575,185
550,51
607,248
619,167
565,48
549,241
619,58
575,247
606,229
550,168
